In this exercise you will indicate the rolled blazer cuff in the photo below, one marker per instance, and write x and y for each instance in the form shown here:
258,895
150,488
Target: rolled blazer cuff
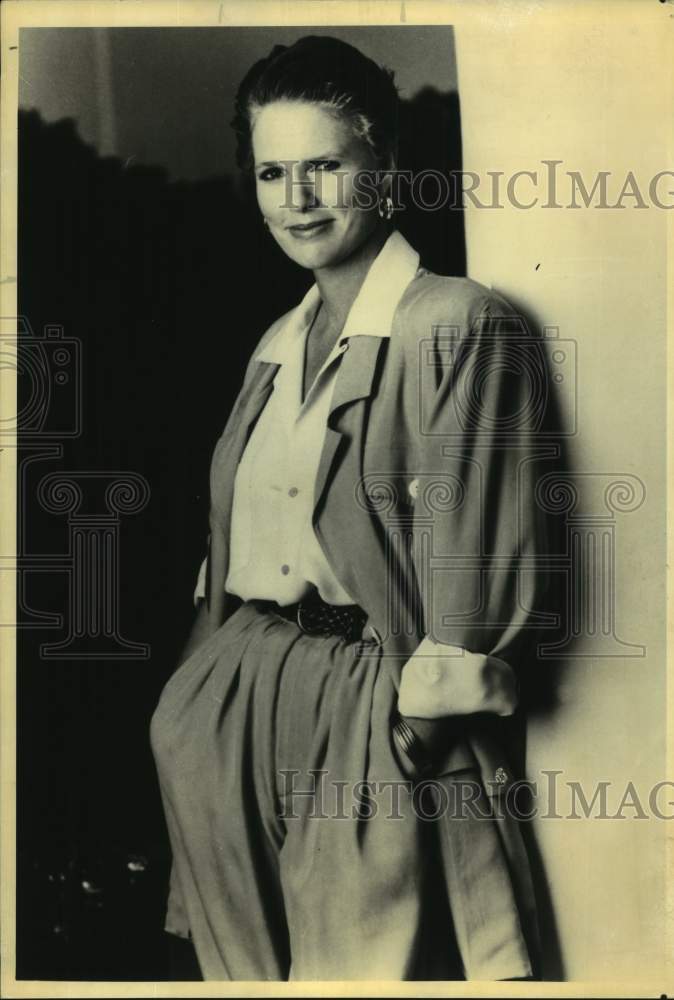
440,680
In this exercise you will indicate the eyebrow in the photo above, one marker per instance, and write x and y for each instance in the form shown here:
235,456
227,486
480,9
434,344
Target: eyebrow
331,155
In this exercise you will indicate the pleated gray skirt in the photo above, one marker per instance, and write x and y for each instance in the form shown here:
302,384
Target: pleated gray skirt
299,851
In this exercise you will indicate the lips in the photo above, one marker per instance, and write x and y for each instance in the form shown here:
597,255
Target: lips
306,230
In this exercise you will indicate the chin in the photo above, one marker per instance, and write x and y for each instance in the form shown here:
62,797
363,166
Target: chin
314,257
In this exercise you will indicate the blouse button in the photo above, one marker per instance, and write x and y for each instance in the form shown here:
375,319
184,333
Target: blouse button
293,491
285,569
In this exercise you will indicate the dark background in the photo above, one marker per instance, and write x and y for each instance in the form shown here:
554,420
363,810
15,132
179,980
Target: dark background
137,237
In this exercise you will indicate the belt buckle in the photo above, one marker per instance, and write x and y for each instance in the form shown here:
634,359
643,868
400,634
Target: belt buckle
298,619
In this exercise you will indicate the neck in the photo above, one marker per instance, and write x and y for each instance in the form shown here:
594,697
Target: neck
339,285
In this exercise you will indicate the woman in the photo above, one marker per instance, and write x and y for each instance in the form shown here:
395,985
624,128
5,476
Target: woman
361,610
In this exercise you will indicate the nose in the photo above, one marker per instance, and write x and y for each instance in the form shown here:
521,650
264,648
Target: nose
303,194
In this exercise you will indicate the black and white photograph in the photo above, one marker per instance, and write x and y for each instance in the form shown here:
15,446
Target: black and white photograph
334,467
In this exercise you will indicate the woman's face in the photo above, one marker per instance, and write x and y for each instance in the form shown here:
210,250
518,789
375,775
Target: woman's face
306,162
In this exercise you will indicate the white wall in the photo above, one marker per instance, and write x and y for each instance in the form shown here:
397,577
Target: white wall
591,91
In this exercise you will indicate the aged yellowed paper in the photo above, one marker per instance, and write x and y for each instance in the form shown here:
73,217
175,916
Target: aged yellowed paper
549,179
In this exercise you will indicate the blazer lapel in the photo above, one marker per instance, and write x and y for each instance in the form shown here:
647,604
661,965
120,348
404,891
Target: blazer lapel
355,380
226,458
242,422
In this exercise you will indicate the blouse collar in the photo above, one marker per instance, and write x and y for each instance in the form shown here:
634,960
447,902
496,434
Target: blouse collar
372,311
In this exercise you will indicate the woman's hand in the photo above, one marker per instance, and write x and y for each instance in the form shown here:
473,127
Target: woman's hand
440,680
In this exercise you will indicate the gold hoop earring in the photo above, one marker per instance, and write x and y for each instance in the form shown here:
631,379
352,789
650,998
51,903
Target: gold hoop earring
385,207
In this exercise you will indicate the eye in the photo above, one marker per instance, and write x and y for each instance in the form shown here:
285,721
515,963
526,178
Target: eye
270,173
324,164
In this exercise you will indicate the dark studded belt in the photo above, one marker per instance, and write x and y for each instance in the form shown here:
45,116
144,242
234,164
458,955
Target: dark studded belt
314,617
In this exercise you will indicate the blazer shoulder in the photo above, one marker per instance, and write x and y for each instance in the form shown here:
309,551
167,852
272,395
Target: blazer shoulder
433,301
